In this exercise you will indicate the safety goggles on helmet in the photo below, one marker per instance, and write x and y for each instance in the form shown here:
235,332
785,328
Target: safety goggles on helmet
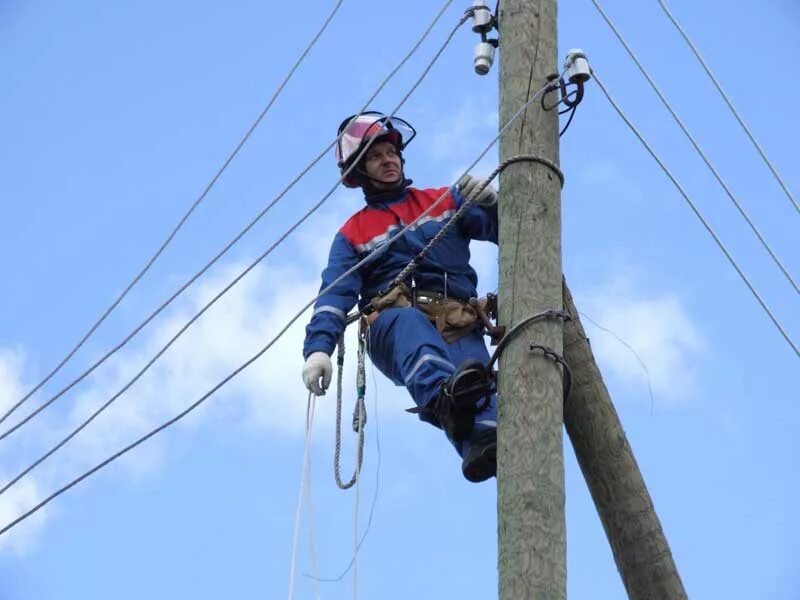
356,131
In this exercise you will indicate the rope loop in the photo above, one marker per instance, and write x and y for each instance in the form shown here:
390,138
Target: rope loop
359,416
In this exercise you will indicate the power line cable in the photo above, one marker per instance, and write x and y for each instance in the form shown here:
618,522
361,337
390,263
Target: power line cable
242,233
227,288
696,146
729,102
182,221
699,215
370,257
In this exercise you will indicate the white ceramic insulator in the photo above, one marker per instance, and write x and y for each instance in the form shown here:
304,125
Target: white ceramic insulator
484,57
481,17
577,66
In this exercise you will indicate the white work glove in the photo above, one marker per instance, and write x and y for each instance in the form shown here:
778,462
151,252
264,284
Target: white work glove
318,366
468,184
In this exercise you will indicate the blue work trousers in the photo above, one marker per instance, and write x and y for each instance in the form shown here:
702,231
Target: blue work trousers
406,347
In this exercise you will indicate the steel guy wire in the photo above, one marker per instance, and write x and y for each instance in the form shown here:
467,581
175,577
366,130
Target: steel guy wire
182,221
240,235
374,254
699,215
221,293
696,146
632,351
729,102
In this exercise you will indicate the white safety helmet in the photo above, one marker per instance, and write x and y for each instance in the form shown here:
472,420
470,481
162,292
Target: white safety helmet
355,133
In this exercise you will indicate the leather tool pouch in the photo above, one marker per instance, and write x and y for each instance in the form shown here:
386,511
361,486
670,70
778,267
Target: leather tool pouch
453,318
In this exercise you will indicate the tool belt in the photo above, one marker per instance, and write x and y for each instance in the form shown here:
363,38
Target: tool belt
453,318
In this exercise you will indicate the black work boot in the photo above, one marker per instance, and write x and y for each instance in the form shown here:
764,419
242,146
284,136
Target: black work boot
480,461
462,396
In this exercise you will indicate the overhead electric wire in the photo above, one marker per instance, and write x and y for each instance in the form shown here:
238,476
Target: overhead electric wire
181,222
244,231
732,108
697,147
165,425
230,285
699,215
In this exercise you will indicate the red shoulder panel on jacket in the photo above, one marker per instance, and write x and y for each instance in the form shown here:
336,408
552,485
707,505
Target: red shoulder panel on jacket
370,224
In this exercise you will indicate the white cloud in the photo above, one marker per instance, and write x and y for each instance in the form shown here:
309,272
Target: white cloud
269,392
459,136
458,129
27,493
17,499
658,329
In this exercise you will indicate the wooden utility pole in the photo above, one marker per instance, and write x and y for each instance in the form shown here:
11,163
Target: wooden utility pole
530,479
530,476
640,547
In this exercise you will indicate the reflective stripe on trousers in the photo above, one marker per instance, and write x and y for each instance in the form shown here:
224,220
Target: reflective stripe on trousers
405,346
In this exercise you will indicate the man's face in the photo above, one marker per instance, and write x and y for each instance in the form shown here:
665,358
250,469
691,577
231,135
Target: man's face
383,165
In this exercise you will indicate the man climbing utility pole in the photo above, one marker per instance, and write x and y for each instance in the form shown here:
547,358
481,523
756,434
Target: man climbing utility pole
530,479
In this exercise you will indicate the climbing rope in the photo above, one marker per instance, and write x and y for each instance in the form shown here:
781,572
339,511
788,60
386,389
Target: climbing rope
312,548
374,501
359,420
356,511
359,414
465,206
304,481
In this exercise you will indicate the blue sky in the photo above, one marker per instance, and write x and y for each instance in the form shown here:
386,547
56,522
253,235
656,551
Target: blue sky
114,116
